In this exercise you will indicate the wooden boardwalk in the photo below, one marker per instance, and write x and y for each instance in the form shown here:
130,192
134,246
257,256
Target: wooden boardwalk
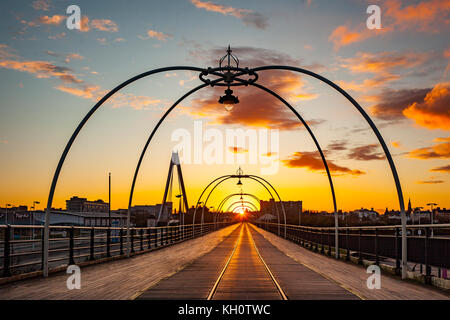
246,267
237,262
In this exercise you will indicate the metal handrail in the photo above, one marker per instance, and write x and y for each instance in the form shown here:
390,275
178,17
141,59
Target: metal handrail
82,243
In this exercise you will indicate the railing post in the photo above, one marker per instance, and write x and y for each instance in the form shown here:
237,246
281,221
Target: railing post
92,244
397,252
71,245
155,232
329,242
108,242
377,260
149,238
360,259
141,238
347,257
132,240
7,252
121,241
427,265
322,247
42,248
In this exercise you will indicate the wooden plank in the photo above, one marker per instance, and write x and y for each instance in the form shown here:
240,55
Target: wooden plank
297,281
246,277
196,280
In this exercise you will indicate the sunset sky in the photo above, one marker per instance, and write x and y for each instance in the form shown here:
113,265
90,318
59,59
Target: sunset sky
51,76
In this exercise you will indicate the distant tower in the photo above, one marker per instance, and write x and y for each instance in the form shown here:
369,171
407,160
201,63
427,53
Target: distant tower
174,161
409,206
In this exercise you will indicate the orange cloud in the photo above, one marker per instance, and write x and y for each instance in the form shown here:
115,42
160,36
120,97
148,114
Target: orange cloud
43,5
257,108
434,111
104,25
84,24
396,144
249,17
443,169
313,162
57,36
41,69
270,154
430,182
365,153
53,20
391,103
67,57
237,150
157,35
71,84
86,93
437,151
382,62
425,16
342,36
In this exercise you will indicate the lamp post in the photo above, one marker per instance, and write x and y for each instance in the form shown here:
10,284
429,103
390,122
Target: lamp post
431,204
31,222
109,201
6,214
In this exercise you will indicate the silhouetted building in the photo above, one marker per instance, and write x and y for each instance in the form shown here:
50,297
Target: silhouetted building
76,204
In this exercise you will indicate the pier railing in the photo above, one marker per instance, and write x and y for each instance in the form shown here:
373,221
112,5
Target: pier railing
428,245
21,245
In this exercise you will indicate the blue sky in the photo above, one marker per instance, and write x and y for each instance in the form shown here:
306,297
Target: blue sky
38,111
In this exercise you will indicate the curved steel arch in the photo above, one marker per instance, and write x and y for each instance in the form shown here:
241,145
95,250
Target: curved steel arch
298,116
231,177
241,71
380,140
233,195
242,202
211,71
248,209
218,211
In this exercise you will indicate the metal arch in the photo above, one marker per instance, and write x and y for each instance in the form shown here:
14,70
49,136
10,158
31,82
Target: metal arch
230,177
245,82
305,124
218,211
241,202
241,71
241,176
380,140
226,178
233,195
244,207
144,150
72,139
281,202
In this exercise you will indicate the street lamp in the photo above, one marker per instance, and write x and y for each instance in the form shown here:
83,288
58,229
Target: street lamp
228,100
431,204
31,221
6,214
34,209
